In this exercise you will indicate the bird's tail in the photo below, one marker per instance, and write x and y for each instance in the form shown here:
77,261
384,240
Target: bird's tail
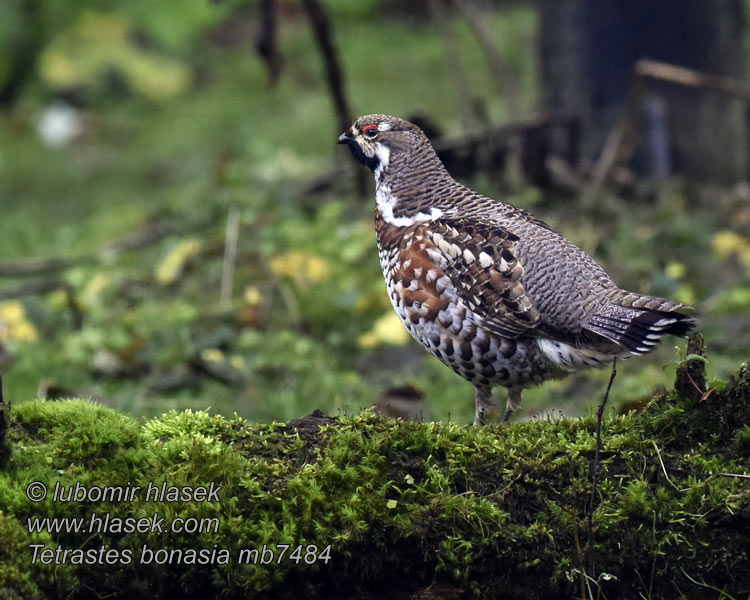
637,322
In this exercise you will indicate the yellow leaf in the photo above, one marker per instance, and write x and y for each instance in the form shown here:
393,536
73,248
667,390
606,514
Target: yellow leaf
676,270
14,326
94,288
388,329
301,267
252,296
212,355
58,299
170,269
12,311
729,243
237,361
24,332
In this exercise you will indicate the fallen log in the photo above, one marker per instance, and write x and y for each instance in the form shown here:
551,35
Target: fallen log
368,507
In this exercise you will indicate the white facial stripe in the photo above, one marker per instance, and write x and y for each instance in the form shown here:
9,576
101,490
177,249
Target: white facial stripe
384,156
385,126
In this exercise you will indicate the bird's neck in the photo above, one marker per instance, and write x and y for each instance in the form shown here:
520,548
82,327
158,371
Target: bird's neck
408,190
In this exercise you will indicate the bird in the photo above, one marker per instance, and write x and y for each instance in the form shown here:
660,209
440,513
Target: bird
486,287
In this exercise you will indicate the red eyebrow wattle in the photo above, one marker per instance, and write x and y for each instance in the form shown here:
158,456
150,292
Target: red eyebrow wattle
370,127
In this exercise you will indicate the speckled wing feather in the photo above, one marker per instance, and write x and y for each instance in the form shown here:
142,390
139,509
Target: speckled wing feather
480,262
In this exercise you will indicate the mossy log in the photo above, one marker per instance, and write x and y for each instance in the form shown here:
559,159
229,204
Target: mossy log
379,508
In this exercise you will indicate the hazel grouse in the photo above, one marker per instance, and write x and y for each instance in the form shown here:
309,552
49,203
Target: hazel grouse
486,287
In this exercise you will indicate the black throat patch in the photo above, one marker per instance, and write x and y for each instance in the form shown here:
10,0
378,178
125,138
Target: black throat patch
357,152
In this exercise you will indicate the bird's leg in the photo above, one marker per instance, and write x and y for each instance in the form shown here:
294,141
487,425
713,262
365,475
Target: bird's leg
515,398
482,401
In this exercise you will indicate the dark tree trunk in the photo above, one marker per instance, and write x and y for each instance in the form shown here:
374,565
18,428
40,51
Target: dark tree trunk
589,48
23,53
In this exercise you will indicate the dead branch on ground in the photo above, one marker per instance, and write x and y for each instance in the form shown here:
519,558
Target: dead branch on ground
623,137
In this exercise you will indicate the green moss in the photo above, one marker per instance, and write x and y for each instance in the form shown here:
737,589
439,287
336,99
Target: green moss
742,441
493,512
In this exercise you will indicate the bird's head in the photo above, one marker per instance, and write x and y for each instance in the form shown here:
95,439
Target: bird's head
374,139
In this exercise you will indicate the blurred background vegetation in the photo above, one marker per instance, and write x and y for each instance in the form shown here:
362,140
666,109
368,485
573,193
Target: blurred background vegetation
138,139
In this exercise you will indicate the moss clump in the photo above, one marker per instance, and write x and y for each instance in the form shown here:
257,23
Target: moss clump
486,513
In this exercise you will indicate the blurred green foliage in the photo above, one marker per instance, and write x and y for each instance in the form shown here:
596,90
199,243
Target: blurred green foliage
177,123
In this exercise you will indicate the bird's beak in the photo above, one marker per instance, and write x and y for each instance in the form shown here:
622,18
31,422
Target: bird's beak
345,138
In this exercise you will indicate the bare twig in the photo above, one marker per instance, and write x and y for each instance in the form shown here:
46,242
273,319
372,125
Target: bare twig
40,265
709,478
34,288
144,237
27,47
663,468
3,421
230,255
481,141
622,138
722,593
579,550
595,466
501,132
735,475
323,30
461,86
504,77
662,71
266,42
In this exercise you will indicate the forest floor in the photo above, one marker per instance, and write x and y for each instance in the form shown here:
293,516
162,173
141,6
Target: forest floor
139,204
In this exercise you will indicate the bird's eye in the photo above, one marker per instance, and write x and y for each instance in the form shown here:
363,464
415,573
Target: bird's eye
370,131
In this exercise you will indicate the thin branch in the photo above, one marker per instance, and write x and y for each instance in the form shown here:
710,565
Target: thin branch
461,86
323,30
736,475
3,421
41,265
670,73
23,52
34,288
722,593
663,468
483,140
505,78
321,24
266,42
230,255
579,551
144,237
595,467
622,138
